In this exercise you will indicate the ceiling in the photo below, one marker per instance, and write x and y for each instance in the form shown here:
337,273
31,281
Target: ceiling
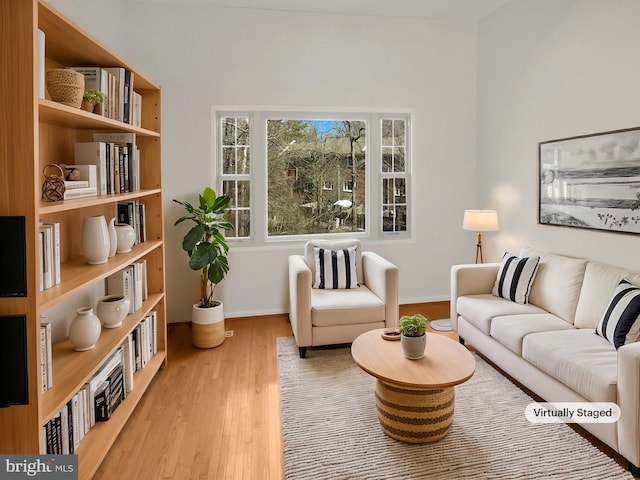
450,10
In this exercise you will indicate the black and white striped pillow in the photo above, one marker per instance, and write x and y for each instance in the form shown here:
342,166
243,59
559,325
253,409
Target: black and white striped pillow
335,268
620,323
515,277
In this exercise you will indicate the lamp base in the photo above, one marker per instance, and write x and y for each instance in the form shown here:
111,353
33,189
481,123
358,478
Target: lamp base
442,325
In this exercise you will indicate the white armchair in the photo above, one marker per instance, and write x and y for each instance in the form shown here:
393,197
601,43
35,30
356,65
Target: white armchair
323,316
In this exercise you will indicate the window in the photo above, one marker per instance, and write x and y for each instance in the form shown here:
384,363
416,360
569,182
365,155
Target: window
394,175
293,174
235,136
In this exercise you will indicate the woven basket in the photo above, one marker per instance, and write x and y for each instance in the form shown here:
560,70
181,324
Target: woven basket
65,86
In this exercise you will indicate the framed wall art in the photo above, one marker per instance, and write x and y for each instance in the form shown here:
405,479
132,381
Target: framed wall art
591,181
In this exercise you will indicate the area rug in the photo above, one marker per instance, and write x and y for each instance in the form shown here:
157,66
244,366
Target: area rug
330,430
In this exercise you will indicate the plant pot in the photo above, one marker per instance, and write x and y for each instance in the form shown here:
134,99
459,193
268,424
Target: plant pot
413,347
207,326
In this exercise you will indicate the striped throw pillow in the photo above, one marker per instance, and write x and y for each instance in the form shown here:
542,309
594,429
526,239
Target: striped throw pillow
515,277
335,268
620,323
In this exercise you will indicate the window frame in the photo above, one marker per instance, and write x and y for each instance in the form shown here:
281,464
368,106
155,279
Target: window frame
258,116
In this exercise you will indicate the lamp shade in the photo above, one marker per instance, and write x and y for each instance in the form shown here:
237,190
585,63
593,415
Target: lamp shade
480,220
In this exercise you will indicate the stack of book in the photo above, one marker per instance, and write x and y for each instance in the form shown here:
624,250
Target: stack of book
121,102
133,213
85,185
49,255
130,282
117,161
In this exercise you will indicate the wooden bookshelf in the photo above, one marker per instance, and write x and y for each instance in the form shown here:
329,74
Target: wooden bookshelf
35,132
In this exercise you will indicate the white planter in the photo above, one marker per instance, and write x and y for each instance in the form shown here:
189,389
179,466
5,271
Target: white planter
85,329
112,310
95,239
413,347
207,326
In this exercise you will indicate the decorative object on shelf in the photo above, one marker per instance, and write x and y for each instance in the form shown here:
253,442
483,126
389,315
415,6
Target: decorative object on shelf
392,334
413,337
90,99
53,187
207,249
480,221
112,310
113,237
95,239
65,86
84,330
126,237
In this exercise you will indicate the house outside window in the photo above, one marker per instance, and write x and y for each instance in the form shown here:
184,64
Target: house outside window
299,174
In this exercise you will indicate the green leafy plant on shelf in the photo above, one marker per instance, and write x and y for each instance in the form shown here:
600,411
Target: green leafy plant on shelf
93,97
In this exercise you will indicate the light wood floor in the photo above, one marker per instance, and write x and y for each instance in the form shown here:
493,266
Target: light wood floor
214,414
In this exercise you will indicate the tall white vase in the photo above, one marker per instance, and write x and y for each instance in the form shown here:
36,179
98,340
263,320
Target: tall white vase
113,239
95,239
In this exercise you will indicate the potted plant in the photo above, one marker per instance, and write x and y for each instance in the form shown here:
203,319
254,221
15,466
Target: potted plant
207,249
413,338
90,99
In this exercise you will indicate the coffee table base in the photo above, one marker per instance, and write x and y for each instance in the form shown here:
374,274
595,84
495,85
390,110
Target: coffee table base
414,415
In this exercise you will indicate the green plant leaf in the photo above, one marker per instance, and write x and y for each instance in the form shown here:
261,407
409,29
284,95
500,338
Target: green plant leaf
193,236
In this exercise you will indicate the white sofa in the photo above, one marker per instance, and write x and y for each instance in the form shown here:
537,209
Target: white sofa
549,344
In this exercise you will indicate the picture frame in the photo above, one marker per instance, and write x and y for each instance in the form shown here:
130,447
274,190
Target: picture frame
591,181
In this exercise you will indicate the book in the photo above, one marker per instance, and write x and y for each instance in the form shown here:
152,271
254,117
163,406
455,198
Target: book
47,262
55,250
137,109
88,173
46,355
43,361
76,421
119,91
41,260
94,153
125,140
129,365
71,184
41,66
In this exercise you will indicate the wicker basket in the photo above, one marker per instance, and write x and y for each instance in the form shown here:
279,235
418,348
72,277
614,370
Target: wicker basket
65,86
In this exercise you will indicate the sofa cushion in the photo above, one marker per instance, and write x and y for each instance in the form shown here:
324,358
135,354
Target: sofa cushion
556,287
579,358
620,323
309,257
510,330
335,268
600,280
479,310
515,277
343,307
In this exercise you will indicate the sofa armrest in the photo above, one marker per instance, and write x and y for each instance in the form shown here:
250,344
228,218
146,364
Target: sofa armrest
629,402
470,279
300,300
381,277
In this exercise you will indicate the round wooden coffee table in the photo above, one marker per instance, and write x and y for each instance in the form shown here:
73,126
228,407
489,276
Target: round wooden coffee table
414,398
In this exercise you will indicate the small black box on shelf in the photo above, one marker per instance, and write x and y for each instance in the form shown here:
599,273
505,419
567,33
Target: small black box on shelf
13,257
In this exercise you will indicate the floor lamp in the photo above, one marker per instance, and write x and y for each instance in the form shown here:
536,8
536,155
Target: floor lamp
478,221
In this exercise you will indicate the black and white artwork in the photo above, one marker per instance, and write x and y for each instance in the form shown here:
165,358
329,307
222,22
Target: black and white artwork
591,181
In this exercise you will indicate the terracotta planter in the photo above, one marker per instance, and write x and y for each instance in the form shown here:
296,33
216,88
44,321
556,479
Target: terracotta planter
413,347
207,326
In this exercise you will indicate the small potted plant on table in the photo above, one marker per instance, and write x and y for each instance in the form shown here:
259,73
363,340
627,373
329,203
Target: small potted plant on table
413,337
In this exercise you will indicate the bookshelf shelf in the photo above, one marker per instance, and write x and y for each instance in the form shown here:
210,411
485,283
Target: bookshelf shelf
41,132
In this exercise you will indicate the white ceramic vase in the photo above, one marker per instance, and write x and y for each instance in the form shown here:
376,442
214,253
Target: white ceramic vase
113,239
126,237
95,239
413,347
84,330
112,310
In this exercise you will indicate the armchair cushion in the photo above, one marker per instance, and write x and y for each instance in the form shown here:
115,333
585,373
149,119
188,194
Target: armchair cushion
345,307
335,269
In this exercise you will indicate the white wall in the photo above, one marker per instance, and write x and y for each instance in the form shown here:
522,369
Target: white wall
550,69
204,56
